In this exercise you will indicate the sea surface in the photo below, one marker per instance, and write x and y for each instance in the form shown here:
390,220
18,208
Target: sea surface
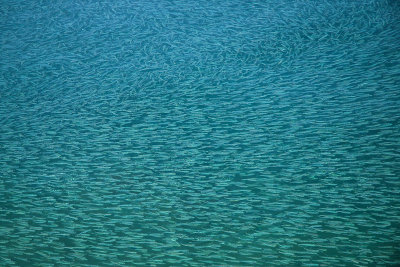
200,133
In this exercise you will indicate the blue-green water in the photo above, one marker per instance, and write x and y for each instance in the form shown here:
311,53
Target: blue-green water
201,133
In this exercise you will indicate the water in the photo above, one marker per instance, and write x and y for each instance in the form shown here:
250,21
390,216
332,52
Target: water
202,133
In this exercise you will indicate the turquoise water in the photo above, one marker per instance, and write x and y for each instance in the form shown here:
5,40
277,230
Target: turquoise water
201,133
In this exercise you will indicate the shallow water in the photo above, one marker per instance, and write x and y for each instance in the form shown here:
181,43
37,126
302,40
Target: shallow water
204,133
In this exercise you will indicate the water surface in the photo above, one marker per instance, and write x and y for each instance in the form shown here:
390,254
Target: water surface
202,133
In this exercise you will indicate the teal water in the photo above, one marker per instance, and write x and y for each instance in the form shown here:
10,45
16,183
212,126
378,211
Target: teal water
200,133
